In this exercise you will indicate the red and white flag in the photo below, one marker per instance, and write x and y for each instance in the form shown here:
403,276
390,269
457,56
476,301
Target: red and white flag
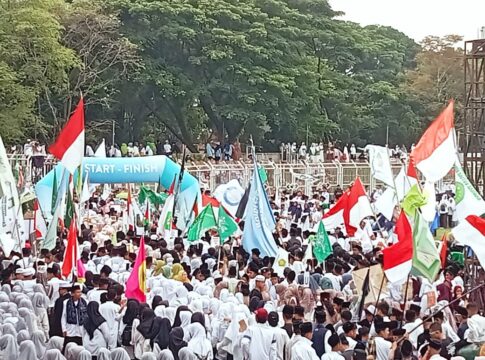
335,216
398,258
40,226
71,253
435,153
358,206
471,232
69,145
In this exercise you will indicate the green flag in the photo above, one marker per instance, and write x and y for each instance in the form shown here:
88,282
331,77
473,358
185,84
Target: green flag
426,259
69,210
49,242
205,221
54,193
322,248
152,196
262,174
413,200
226,226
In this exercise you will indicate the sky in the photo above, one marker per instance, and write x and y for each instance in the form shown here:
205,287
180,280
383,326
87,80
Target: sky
418,18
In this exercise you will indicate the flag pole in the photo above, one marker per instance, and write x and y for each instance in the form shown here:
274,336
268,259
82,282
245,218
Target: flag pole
406,292
378,296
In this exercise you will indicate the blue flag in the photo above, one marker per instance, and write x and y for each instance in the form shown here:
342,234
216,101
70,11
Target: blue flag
259,222
435,224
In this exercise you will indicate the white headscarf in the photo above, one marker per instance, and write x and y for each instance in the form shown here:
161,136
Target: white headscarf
28,316
25,303
148,356
104,354
186,354
54,354
40,302
27,351
119,354
198,342
185,318
72,351
4,298
22,336
165,355
55,342
9,329
38,338
6,289
84,355
9,348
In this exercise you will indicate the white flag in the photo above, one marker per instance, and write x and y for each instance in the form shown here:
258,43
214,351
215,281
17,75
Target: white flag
101,150
86,193
468,200
380,164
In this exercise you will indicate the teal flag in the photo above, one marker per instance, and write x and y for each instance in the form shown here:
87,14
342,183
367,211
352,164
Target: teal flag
262,174
322,248
54,193
426,259
202,223
226,226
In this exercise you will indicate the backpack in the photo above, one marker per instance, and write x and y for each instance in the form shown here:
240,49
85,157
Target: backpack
443,208
126,335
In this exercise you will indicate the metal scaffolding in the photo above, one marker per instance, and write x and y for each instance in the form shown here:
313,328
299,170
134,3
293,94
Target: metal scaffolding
473,139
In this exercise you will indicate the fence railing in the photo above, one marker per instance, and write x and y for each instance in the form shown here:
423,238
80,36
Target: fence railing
296,175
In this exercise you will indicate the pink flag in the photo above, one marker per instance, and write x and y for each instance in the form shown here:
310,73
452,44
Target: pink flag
81,271
136,283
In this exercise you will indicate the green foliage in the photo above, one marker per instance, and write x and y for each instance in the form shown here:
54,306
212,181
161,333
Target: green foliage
276,70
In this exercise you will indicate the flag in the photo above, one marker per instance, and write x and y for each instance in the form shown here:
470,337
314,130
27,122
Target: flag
322,248
380,164
148,215
259,222
281,262
471,232
49,242
165,220
69,145
364,292
81,271
55,188
413,200
226,226
86,192
335,216
262,174
443,250
171,189
428,210
156,199
435,224
69,215
136,283
129,216
241,209
435,153
71,253
101,150
397,259
40,226
468,200
426,259
202,223
209,200
358,207
309,249
229,195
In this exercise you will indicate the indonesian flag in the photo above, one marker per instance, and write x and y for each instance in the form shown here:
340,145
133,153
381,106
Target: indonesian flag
335,216
398,257
69,145
443,251
71,253
40,226
358,207
435,153
471,232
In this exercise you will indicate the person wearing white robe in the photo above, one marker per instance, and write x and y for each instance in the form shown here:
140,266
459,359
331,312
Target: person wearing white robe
119,354
9,349
259,340
95,331
282,338
40,303
54,354
113,314
198,342
334,353
27,351
38,339
302,349
476,325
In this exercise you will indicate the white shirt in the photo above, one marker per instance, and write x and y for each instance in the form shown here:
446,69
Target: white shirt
413,337
476,329
449,332
111,312
282,340
259,343
437,357
303,350
383,347
95,295
167,148
71,330
333,355
53,290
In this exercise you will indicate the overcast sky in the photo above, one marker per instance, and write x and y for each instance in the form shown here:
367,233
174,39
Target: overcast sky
418,18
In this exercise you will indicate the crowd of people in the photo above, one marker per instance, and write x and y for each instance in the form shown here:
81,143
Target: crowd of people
206,300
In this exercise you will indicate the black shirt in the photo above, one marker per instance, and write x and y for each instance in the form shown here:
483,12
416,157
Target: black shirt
289,329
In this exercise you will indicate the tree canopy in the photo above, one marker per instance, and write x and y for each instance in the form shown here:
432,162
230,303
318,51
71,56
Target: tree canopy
275,70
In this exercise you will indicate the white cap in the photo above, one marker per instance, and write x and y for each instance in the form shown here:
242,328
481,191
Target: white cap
371,309
29,272
260,278
217,275
19,271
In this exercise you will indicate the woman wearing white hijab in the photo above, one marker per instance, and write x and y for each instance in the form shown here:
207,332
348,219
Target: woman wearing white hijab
4,298
55,342
38,339
72,351
9,329
29,318
165,355
186,354
84,355
119,354
22,336
9,349
54,354
25,302
40,303
27,351
198,343
104,354
149,356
